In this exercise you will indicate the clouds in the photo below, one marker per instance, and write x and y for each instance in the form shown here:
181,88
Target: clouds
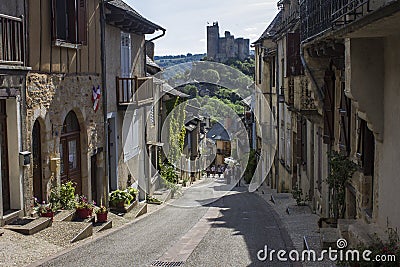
186,21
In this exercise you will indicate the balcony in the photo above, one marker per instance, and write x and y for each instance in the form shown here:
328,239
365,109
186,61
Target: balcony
320,16
12,41
134,91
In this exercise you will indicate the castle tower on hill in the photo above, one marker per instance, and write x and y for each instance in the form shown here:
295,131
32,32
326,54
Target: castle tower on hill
221,49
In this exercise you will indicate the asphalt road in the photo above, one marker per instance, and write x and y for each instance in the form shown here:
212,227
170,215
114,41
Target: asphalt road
212,224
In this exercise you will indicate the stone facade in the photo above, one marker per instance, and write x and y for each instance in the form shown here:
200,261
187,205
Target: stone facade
49,99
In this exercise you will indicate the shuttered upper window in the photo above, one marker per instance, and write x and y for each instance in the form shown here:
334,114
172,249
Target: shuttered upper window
69,22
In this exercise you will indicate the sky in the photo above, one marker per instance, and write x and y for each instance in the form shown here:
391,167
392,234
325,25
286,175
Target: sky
186,21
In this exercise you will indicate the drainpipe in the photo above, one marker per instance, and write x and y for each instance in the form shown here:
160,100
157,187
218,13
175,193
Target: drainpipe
148,161
277,115
320,93
103,84
145,50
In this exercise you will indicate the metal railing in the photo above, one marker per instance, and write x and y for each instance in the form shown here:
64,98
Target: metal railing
12,41
319,16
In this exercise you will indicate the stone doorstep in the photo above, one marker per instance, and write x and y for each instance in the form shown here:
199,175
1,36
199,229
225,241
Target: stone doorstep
142,211
11,217
361,232
343,227
64,215
125,209
84,233
98,227
32,227
329,237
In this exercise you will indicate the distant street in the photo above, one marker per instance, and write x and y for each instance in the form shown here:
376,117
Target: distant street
191,231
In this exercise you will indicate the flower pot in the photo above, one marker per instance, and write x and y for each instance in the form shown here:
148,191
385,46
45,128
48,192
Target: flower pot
49,214
121,204
101,217
83,213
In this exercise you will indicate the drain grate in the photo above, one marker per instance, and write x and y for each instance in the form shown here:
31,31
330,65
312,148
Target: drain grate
167,263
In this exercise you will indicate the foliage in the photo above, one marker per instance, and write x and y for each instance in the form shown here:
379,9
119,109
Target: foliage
341,169
152,200
168,173
246,66
43,207
83,203
185,181
251,166
133,191
63,196
118,196
101,210
177,131
297,193
378,247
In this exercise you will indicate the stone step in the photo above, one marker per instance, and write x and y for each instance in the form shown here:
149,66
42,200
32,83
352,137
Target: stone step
329,237
65,232
125,209
64,215
98,226
29,226
142,209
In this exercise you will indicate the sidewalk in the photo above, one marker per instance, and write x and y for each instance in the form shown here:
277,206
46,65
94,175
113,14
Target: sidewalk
299,221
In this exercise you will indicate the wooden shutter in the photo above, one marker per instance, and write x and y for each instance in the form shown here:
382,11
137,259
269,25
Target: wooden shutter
299,140
329,104
82,22
71,13
293,61
345,113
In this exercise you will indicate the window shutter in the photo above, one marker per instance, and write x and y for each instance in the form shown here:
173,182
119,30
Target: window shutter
53,21
329,107
294,66
299,140
369,151
82,22
345,112
71,14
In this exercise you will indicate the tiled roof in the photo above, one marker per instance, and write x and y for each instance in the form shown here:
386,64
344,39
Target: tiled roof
271,29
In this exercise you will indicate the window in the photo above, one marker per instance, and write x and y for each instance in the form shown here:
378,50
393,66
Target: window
69,21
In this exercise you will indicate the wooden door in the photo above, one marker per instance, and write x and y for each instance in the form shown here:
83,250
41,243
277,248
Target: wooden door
37,162
70,152
5,182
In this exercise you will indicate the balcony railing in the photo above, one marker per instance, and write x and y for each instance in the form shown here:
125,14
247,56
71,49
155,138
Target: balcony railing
12,41
134,90
346,11
319,16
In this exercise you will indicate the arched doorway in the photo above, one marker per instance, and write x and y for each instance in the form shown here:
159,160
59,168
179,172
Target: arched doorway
70,152
37,161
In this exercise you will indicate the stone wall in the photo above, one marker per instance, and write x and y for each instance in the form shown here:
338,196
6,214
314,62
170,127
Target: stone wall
49,99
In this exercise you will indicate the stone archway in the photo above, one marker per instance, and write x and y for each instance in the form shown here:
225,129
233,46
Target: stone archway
70,151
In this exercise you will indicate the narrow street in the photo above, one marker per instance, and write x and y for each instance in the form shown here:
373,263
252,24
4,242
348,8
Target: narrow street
190,231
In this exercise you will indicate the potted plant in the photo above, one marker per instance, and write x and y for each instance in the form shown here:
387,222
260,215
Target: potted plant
133,191
44,209
83,207
119,198
101,213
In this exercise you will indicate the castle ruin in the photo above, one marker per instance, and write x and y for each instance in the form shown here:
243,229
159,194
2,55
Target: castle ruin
221,49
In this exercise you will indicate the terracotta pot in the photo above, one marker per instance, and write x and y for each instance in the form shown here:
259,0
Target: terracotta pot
101,217
84,213
49,214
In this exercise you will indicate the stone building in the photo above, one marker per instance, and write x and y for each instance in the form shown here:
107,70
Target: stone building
221,49
343,98
13,70
133,103
64,126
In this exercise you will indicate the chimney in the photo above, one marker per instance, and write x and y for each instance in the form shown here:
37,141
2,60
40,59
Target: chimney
150,50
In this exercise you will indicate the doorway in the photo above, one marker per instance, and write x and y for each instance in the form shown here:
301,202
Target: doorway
70,152
5,180
37,162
